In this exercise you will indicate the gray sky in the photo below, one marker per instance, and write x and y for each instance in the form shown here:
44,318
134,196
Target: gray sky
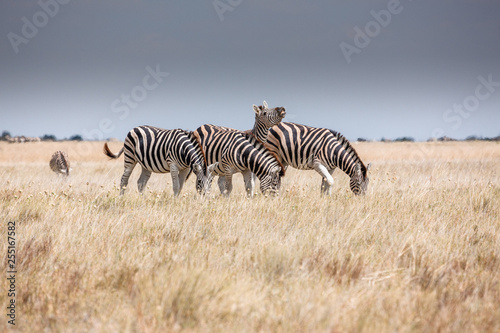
367,69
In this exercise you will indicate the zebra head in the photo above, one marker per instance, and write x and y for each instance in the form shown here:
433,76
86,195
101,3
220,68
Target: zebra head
271,181
359,180
204,177
266,117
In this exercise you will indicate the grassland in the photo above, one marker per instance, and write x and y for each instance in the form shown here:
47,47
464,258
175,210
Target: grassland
419,253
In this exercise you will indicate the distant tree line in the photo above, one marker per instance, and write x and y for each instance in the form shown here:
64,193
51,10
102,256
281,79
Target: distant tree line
52,137
443,139
77,137
6,136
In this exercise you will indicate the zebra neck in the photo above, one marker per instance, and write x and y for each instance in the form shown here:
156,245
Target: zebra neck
197,155
260,130
346,159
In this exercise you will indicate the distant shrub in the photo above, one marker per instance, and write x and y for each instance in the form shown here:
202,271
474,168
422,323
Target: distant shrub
405,139
445,138
49,137
473,138
362,140
76,137
5,136
496,138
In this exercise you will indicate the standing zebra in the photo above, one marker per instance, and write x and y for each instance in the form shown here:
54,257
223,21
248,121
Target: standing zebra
265,118
310,148
59,163
232,152
161,151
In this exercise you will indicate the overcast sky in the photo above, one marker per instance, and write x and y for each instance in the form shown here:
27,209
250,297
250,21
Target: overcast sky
367,69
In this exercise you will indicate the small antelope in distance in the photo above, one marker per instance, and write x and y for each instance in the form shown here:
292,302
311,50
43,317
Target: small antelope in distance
59,163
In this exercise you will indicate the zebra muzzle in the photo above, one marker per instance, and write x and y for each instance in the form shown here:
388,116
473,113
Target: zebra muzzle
282,112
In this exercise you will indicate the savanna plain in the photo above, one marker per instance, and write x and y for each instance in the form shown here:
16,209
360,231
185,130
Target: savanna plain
419,253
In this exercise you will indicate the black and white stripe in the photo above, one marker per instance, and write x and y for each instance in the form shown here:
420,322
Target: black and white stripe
232,153
59,163
162,151
310,148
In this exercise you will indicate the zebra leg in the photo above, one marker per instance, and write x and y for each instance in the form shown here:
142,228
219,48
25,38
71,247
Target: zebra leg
222,184
249,178
285,166
254,177
182,177
143,180
325,187
323,171
227,174
229,184
129,167
174,172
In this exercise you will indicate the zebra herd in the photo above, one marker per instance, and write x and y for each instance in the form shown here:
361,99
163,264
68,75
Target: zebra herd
263,152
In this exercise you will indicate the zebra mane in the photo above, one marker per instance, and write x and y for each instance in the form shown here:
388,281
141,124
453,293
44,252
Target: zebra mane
283,170
349,149
249,133
191,135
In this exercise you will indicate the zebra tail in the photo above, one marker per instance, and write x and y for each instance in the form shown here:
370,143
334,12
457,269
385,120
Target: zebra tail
110,154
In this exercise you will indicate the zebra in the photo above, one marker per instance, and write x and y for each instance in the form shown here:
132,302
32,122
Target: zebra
161,151
59,163
231,152
320,149
265,118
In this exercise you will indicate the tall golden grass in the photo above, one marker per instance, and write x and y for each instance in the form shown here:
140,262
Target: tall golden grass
420,252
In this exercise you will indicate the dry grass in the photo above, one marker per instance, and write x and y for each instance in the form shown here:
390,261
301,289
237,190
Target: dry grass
419,253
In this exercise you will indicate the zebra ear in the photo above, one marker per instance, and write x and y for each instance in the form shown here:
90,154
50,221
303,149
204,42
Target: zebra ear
357,168
265,104
257,109
211,168
196,168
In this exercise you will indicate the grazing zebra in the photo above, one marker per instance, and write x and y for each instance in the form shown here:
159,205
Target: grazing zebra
265,118
161,151
310,148
232,152
59,163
